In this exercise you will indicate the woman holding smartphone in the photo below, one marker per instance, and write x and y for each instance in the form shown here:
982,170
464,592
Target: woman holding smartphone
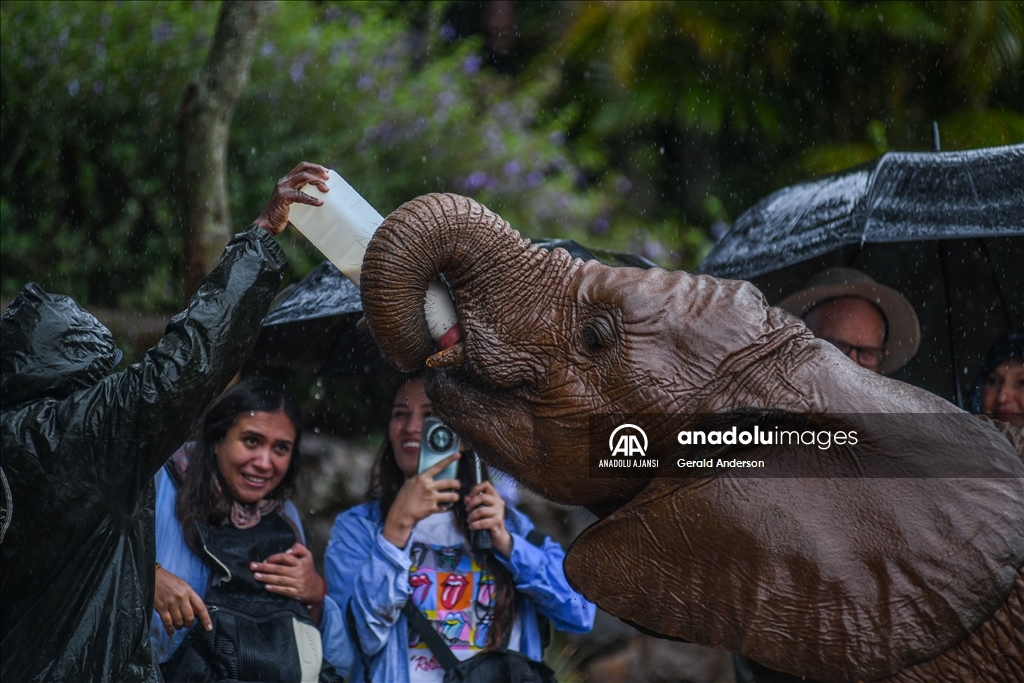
410,542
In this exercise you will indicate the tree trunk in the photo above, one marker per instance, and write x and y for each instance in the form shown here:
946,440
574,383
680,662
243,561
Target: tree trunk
204,125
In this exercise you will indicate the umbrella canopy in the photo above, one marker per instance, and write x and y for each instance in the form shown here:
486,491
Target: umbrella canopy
946,229
311,326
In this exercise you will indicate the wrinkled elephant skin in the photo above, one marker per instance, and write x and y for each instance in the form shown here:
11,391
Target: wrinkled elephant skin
833,578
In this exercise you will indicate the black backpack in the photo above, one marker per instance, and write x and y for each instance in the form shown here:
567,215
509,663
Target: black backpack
257,636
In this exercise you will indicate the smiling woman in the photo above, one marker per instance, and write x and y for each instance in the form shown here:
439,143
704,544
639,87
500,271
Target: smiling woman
228,542
256,454
408,552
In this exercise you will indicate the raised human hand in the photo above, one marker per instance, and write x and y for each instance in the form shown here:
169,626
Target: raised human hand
420,497
274,218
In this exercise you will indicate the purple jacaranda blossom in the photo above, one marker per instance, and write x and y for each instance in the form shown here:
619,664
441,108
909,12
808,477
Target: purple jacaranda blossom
384,133
62,39
534,178
385,95
622,184
602,224
505,112
557,138
73,88
297,71
512,168
446,99
97,87
267,49
365,82
448,32
652,249
475,181
162,32
471,65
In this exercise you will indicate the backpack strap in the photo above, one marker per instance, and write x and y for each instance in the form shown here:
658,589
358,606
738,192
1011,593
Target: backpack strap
431,637
355,637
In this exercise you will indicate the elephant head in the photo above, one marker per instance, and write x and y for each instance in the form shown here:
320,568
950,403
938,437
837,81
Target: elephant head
833,578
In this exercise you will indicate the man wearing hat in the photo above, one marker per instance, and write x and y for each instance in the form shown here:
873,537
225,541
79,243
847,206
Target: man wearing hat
872,324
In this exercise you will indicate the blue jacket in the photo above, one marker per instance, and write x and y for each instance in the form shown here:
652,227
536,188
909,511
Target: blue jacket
364,567
175,556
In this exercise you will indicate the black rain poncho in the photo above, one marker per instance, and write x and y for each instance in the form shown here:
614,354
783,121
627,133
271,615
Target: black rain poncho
80,450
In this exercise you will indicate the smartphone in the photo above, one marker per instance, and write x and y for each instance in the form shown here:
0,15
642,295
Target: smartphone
437,442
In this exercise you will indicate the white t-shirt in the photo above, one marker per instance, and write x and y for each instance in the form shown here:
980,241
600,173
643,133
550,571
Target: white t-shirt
451,591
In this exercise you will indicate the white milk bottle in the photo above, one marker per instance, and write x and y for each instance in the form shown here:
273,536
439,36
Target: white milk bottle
342,227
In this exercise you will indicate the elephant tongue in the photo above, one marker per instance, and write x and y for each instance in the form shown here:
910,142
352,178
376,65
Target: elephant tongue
450,338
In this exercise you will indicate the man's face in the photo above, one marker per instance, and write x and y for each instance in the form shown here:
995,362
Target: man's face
855,326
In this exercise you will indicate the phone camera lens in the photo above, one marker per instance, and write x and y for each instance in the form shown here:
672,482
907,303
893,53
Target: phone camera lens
441,439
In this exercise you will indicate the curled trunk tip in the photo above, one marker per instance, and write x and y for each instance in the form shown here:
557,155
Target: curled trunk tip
433,234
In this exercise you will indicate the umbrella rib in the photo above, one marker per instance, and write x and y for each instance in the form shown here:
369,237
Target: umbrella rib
868,201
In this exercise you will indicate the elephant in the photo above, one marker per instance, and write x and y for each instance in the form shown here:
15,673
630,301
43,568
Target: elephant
897,575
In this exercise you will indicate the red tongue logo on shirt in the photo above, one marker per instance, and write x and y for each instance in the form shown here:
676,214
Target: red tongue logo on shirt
420,586
452,590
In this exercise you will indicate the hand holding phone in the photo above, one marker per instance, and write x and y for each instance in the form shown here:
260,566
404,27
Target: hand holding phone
481,538
438,442
420,497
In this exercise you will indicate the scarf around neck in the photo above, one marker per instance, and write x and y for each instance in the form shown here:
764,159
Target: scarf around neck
247,515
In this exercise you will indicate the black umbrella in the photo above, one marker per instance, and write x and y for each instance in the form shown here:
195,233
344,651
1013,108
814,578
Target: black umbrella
311,326
943,228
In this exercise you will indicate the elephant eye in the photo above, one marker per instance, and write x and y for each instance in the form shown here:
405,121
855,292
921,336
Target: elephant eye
598,334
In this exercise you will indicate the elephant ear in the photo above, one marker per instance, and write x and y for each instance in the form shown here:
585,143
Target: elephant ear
832,579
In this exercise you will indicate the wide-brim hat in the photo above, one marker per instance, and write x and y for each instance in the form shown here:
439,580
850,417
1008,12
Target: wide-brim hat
903,331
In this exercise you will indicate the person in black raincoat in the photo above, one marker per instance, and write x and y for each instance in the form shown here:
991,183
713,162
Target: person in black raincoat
81,447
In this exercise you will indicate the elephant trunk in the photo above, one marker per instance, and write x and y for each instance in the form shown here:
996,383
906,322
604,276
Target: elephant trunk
434,234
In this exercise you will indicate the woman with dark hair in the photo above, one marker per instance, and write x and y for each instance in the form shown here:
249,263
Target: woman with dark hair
999,388
410,543
224,526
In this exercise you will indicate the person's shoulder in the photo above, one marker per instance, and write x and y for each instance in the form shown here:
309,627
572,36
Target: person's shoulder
358,522
368,512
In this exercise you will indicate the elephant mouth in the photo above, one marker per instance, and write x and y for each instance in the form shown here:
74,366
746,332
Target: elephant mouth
451,355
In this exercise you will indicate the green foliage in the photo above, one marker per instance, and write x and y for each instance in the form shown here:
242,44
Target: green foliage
743,98
634,126
90,94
